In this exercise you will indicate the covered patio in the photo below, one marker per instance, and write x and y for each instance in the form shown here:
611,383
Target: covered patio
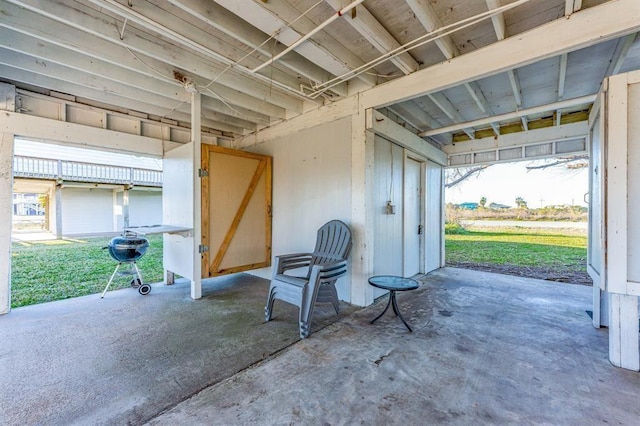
486,348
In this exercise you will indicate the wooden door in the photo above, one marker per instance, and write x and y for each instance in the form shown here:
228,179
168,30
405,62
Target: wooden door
236,211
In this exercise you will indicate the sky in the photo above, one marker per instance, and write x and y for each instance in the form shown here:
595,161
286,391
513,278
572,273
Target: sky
502,183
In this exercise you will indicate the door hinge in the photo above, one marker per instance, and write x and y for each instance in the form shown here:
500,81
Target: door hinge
203,249
203,173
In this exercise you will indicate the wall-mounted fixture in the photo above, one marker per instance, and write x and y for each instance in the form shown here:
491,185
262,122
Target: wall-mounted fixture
391,208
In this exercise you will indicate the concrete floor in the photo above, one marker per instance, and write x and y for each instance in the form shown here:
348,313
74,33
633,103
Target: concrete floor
487,349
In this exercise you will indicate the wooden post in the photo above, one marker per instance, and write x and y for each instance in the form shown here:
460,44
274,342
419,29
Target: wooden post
361,216
6,212
623,331
196,138
125,206
58,209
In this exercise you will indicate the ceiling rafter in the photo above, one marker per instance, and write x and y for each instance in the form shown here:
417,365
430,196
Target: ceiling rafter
499,27
447,107
97,37
376,34
424,12
568,103
108,98
571,6
328,53
220,18
50,53
192,42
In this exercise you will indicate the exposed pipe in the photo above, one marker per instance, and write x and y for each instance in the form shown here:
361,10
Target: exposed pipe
125,12
511,115
427,38
310,34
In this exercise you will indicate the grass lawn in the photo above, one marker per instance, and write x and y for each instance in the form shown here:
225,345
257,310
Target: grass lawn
562,250
44,271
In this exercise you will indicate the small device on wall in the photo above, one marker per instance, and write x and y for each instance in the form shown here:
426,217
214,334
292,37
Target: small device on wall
391,208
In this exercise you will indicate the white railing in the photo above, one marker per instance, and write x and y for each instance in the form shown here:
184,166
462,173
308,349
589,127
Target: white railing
75,171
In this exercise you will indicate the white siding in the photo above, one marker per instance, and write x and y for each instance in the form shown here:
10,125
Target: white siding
387,186
145,208
87,211
434,225
311,185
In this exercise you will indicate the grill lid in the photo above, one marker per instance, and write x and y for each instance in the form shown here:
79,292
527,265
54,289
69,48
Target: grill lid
128,248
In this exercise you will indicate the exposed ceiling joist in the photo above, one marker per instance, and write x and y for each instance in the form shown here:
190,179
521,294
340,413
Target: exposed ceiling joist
151,18
591,26
450,111
180,114
571,6
619,54
47,53
228,23
501,33
369,27
568,103
98,37
429,19
424,12
328,54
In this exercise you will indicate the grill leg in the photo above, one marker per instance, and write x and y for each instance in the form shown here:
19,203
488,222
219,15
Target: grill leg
138,273
111,279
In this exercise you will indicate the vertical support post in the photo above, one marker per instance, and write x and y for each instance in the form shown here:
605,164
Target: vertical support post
623,331
125,206
6,212
362,143
58,201
196,138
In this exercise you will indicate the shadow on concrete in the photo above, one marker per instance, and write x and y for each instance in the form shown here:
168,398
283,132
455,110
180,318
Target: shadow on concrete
125,358
487,349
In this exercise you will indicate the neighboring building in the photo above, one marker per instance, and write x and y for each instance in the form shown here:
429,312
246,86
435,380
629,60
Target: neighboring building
498,206
468,206
78,198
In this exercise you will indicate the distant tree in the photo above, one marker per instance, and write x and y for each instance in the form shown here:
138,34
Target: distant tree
460,174
521,203
483,201
572,163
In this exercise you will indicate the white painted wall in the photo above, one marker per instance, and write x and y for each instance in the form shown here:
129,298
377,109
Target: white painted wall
87,210
434,217
177,200
311,185
387,186
145,208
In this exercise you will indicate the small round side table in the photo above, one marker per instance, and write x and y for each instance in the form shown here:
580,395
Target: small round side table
393,283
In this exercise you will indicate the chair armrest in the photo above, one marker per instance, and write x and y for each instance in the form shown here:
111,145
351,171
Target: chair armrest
329,271
291,261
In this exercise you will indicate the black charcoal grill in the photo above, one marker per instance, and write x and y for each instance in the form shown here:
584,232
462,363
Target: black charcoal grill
128,249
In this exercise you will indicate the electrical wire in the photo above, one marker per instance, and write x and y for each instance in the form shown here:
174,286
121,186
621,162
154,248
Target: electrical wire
427,38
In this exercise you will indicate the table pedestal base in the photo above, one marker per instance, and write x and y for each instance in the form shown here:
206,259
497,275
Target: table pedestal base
392,302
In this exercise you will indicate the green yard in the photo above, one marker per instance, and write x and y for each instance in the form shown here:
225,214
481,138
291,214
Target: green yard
555,254
58,269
